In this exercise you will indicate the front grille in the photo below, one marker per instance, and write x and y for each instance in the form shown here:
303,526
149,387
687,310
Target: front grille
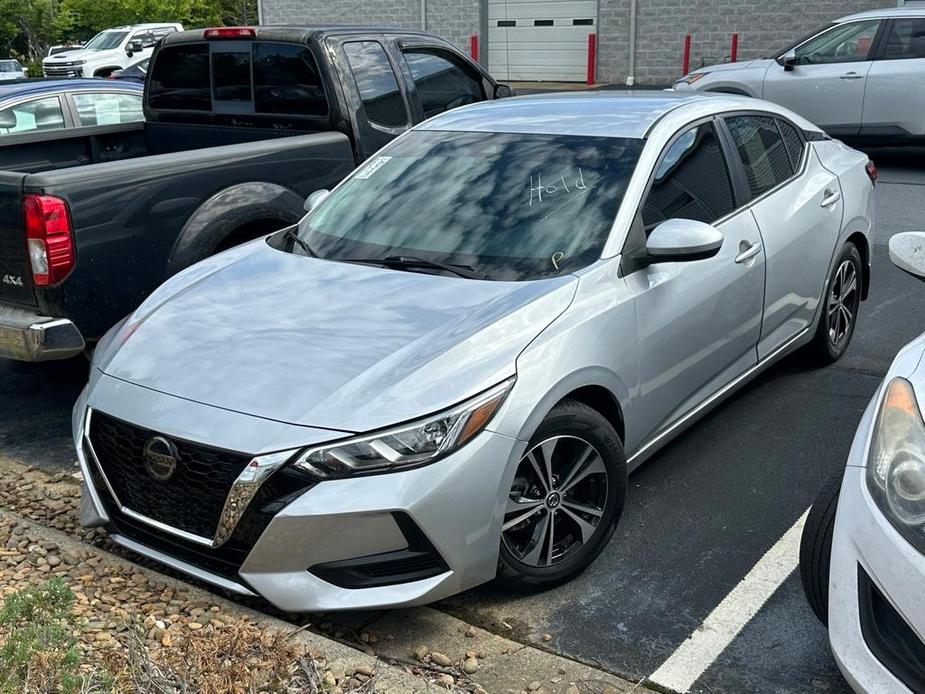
191,500
62,70
275,493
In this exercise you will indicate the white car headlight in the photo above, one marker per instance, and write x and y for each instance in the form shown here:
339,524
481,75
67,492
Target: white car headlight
896,462
410,445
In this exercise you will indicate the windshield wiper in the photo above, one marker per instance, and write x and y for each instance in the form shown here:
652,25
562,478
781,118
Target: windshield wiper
292,235
411,261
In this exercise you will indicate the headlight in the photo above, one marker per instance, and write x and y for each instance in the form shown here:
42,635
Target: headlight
693,77
896,463
411,445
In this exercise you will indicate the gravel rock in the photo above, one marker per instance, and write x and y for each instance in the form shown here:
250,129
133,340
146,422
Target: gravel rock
421,652
470,666
440,659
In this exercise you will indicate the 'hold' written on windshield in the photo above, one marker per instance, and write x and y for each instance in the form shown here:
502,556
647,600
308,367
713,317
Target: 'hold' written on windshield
566,182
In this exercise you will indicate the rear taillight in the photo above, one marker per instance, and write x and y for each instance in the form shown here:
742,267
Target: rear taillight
872,172
48,238
229,33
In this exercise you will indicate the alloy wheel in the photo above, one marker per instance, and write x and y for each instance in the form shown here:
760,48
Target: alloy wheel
843,302
556,502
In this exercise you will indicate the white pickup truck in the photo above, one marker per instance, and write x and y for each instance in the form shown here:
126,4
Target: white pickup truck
112,49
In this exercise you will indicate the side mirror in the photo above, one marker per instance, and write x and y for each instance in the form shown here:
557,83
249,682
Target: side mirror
680,240
907,251
313,200
134,47
502,91
788,60
7,119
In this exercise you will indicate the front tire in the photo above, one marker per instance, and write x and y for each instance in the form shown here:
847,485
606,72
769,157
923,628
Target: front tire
566,498
840,307
816,548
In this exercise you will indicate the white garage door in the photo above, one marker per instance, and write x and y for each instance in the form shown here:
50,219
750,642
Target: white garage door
540,39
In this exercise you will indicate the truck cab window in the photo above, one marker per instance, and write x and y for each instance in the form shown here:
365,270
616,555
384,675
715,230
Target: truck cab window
287,80
441,80
376,82
180,80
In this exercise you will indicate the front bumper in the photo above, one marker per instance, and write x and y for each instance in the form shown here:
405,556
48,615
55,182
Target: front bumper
876,613
27,336
454,506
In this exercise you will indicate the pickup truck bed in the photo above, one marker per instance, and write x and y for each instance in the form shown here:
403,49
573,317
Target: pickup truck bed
189,180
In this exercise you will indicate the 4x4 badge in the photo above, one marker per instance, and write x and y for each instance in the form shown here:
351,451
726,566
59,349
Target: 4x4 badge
16,281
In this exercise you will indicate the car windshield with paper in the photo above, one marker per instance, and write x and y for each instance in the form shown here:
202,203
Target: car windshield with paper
506,206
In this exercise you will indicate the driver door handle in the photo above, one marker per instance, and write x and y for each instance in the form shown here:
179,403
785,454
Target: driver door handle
830,198
748,253
851,76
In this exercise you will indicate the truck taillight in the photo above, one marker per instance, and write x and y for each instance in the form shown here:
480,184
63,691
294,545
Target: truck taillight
229,33
872,172
49,238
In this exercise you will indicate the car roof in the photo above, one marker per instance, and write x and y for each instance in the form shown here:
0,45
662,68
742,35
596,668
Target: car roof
45,86
616,113
885,13
149,25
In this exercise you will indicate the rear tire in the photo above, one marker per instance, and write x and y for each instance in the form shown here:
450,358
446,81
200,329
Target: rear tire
839,308
816,548
565,501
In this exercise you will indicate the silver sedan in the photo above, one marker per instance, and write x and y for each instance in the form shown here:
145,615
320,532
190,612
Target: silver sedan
446,371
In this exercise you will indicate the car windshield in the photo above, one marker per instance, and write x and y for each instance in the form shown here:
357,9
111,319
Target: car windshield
508,206
793,44
106,40
9,66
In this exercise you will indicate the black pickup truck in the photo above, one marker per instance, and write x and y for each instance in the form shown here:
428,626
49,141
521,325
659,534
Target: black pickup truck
241,125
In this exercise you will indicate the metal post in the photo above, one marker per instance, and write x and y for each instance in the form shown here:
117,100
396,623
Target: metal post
631,75
686,65
734,53
592,57
474,47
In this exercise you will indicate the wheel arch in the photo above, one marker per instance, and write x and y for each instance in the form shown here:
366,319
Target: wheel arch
604,402
236,214
597,387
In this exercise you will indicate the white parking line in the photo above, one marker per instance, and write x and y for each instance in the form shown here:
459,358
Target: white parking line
727,619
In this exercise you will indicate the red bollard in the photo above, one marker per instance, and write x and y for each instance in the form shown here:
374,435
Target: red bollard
686,65
474,47
592,57
734,53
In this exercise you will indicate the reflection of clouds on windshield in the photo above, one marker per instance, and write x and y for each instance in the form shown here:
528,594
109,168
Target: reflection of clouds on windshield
502,196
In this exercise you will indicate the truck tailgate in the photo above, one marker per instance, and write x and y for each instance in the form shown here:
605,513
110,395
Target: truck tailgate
15,274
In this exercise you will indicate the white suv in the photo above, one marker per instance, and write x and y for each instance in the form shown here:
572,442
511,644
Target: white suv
112,49
860,78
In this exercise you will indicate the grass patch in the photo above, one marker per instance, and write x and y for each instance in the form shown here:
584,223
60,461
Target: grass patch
38,647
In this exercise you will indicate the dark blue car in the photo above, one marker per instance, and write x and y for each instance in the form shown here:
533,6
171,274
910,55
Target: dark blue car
42,105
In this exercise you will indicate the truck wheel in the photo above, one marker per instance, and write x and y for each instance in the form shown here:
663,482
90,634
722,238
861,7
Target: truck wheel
839,307
565,500
816,548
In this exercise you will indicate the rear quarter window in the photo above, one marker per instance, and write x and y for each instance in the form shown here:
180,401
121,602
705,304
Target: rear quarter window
180,79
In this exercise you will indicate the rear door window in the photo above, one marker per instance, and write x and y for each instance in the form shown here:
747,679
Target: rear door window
377,84
100,108
793,141
442,81
761,151
906,40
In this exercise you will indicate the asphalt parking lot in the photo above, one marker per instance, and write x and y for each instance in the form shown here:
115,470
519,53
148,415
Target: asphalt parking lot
699,516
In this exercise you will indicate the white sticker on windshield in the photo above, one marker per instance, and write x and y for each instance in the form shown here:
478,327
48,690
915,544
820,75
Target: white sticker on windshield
372,167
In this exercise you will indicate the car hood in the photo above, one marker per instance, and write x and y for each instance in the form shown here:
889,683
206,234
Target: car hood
77,55
328,344
729,67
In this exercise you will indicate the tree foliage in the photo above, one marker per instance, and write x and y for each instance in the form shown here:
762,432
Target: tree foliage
29,27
